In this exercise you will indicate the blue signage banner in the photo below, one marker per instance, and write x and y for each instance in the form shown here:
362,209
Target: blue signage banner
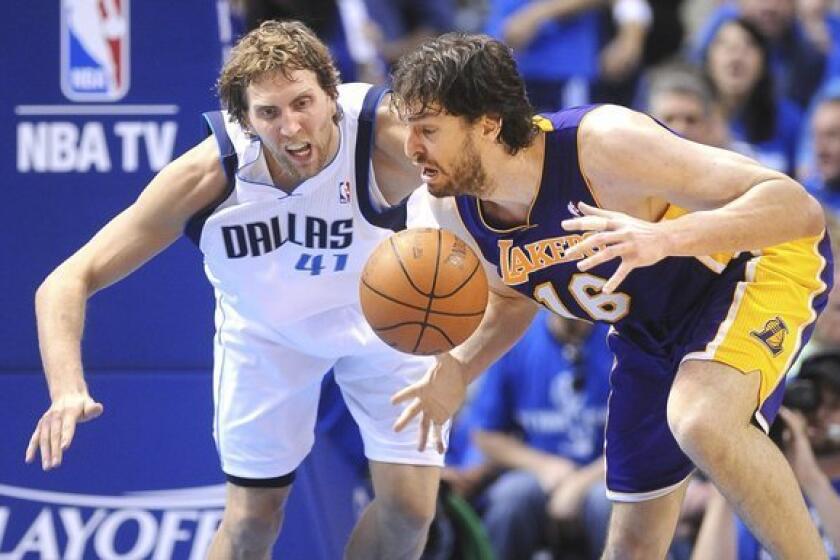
143,480
99,95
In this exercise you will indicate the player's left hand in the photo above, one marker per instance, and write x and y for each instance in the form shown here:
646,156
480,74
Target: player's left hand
636,242
436,398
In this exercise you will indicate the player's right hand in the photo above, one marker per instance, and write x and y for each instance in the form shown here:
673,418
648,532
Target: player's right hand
435,398
56,427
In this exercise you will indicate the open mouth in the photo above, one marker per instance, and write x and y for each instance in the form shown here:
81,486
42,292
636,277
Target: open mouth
300,151
428,174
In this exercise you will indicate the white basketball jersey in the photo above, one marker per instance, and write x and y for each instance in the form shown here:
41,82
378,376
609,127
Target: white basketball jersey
287,266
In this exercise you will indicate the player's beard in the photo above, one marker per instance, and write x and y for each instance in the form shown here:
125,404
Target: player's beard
467,175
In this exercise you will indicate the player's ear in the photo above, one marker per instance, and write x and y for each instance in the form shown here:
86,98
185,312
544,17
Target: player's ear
491,125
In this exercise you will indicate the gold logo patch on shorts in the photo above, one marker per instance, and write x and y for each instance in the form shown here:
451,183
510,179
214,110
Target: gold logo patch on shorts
772,335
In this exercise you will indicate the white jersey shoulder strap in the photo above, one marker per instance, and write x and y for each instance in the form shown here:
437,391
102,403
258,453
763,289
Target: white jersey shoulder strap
214,123
392,217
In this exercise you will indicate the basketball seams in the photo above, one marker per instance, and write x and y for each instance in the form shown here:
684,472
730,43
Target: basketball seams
431,326
399,308
404,269
417,307
461,285
431,291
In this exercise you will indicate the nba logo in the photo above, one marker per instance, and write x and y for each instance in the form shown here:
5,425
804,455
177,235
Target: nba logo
344,192
94,49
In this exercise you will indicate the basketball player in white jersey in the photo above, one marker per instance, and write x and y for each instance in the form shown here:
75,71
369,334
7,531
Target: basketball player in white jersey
299,180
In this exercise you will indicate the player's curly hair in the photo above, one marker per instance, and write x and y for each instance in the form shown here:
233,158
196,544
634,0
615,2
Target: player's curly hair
275,46
469,76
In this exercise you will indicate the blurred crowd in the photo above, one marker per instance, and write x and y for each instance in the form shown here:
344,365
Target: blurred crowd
761,77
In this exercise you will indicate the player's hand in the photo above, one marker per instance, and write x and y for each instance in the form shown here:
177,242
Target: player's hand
56,427
636,242
436,398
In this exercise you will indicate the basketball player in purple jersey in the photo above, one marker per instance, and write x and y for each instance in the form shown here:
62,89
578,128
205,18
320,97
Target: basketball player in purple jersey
711,269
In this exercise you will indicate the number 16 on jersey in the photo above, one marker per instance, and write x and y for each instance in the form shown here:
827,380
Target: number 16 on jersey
586,289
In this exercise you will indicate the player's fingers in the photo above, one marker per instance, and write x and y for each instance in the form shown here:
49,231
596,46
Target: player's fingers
435,435
55,439
68,429
588,210
579,249
92,410
44,443
617,278
438,434
606,254
33,443
586,223
405,393
410,412
424,433
588,245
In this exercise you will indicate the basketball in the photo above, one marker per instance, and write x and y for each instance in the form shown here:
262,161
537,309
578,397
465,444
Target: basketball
423,291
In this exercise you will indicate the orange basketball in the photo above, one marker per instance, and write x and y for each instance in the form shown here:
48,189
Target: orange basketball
423,291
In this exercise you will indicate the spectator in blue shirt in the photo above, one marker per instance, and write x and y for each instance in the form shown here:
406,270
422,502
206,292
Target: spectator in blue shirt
540,414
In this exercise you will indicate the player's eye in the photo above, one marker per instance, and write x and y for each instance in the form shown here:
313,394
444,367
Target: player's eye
303,103
427,131
267,112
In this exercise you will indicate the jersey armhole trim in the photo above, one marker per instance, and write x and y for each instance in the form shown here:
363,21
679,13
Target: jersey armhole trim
214,124
394,217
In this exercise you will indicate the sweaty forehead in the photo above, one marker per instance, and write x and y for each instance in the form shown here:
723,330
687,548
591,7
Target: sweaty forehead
277,85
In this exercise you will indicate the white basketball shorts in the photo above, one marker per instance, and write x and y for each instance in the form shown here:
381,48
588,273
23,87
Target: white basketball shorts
266,392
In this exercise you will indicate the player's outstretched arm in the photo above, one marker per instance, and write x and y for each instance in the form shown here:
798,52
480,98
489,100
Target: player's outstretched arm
145,228
441,392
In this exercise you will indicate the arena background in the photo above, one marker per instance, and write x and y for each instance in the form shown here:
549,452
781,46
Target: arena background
81,138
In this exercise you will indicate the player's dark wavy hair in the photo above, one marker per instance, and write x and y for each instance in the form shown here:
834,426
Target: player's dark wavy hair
275,46
466,76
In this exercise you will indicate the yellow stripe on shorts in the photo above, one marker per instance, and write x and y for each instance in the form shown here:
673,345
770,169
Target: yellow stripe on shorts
769,312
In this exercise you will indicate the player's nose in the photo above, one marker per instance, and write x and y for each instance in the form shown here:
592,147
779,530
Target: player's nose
289,126
413,148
